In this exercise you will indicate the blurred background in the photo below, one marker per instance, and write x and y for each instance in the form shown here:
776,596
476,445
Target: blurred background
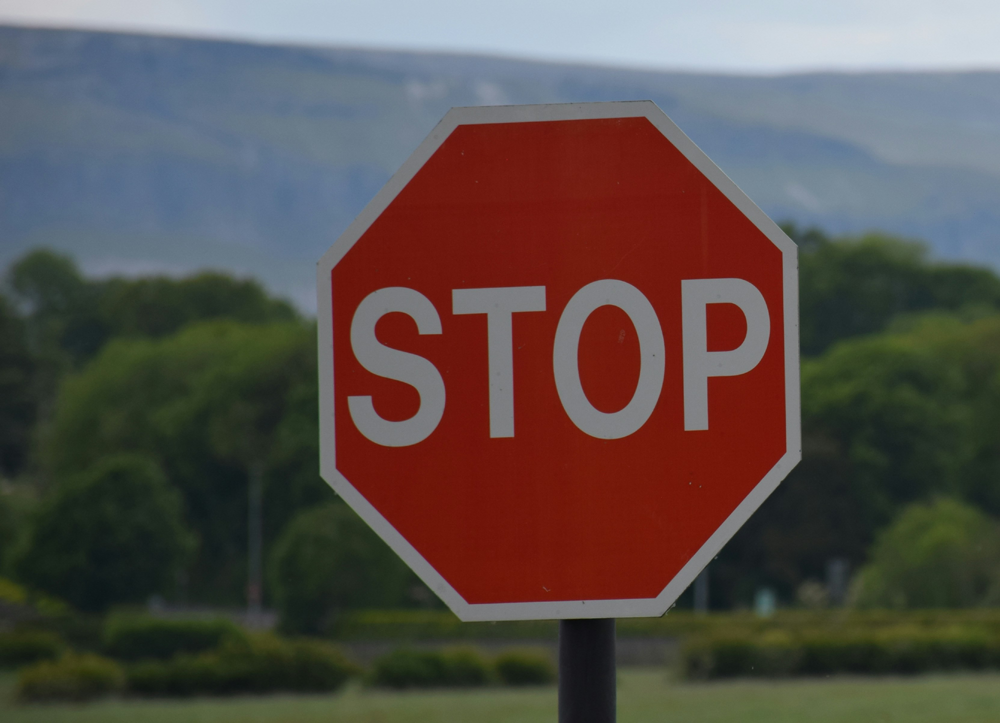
170,173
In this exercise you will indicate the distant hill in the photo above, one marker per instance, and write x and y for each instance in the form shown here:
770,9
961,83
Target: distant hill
139,153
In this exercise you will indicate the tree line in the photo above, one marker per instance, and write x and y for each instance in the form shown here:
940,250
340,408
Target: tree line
900,371
134,411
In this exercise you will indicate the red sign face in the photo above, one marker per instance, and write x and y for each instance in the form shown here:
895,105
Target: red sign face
558,361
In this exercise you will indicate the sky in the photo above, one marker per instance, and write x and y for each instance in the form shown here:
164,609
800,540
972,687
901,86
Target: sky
748,36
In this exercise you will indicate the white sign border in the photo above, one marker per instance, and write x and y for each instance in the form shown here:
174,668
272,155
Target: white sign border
566,609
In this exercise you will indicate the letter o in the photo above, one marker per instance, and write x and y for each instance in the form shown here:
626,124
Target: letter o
565,359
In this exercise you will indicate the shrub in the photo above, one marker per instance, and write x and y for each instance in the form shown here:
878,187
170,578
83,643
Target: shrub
857,653
135,637
704,659
465,668
407,668
939,555
29,646
318,667
81,632
11,592
524,667
901,651
261,664
71,678
112,535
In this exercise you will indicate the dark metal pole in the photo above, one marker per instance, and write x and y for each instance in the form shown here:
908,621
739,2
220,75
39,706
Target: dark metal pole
587,671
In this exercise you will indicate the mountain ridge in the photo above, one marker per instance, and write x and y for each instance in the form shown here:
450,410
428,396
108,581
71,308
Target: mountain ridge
141,153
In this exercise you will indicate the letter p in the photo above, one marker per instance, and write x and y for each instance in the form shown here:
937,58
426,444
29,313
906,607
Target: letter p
699,363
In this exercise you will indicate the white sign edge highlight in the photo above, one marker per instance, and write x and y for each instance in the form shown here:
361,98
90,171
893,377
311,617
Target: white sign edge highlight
565,609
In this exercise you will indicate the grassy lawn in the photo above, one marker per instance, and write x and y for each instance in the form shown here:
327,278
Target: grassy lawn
643,695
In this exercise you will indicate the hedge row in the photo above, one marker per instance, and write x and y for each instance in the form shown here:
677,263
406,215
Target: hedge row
266,664
900,651
417,625
261,664
139,637
21,647
518,668
460,668
72,678
122,637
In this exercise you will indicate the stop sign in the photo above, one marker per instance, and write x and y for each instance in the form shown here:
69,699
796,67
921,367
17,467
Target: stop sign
558,361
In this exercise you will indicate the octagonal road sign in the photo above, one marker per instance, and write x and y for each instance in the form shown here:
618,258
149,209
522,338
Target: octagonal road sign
558,361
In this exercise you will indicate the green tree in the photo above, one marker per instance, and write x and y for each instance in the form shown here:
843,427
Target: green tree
942,554
248,401
327,561
70,318
205,404
111,535
888,420
16,507
858,285
898,411
157,306
816,514
972,350
62,307
18,391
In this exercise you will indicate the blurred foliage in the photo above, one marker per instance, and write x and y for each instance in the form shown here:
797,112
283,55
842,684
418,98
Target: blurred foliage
20,647
889,419
420,626
17,502
204,403
41,610
942,554
895,407
524,667
110,535
209,378
18,392
886,421
72,678
158,306
129,636
856,286
893,651
60,306
257,664
328,561
11,592
74,317
451,668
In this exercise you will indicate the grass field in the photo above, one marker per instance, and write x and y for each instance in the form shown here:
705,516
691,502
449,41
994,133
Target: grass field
643,695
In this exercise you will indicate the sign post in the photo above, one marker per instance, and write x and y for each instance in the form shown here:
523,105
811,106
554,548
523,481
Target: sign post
558,360
587,677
